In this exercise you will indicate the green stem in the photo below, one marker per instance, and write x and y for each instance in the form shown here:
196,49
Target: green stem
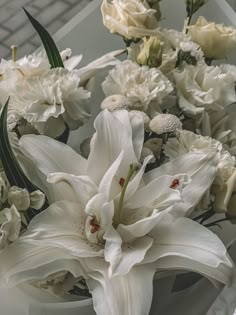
190,16
122,195
13,52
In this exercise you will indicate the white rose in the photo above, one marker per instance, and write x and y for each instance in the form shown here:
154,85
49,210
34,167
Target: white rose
216,40
131,19
10,225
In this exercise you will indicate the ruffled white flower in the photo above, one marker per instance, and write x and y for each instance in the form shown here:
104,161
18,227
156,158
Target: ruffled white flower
192,48
49,101
141,85
10,225
131,19
203,90
111,223
216,40
22,199
228,68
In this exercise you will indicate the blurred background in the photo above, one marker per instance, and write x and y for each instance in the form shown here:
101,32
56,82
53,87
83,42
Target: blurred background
15,29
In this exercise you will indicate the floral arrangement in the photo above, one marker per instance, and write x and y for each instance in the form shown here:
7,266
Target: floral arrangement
146,193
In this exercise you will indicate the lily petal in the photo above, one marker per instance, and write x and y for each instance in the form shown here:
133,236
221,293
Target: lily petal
52,156
199,166
90,70
81,188
110,139
125,295
182,244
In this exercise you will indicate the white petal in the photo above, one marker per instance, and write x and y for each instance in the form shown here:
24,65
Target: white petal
110,139
137,129
27,260
133,253
125,295
156,194
90,70
82,187
186,245
52,156
62,225
106,182
199,166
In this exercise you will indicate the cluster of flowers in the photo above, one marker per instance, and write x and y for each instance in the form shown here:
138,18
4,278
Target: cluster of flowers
136,200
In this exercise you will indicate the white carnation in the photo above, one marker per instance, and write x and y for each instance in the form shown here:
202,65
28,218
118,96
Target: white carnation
140,84
51,100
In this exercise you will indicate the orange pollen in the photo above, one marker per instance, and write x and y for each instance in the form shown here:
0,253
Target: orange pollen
122,182
94,226
175,183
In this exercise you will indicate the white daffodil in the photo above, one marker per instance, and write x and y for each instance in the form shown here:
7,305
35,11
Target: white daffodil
111,223
143,87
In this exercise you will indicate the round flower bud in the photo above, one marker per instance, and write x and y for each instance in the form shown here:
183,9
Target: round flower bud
146,119
19,197
115,102
165,123
151,52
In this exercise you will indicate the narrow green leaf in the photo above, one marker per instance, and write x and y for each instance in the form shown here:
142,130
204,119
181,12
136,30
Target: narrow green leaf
51,49
11,166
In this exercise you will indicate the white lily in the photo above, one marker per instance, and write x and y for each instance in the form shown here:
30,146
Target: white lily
111,224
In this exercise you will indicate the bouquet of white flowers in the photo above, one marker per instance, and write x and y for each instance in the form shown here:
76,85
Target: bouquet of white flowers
145,195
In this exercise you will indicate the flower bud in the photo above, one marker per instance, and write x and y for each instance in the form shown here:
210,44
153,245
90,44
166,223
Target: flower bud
151,52
19,198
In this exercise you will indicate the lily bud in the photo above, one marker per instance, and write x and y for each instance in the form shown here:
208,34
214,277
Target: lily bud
151,52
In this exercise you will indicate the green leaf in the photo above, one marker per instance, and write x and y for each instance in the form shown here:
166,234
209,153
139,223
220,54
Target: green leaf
11,166
51,49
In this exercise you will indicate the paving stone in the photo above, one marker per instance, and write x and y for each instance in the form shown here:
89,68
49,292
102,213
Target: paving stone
3,52
25,50
20,36
16,29
74,10
52,12
42,3
3,33
19,19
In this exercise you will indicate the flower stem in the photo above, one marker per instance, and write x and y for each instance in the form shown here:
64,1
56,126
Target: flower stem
122,195
190,15
13,52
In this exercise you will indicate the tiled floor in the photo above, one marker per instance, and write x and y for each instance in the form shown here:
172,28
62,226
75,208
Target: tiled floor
15,29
